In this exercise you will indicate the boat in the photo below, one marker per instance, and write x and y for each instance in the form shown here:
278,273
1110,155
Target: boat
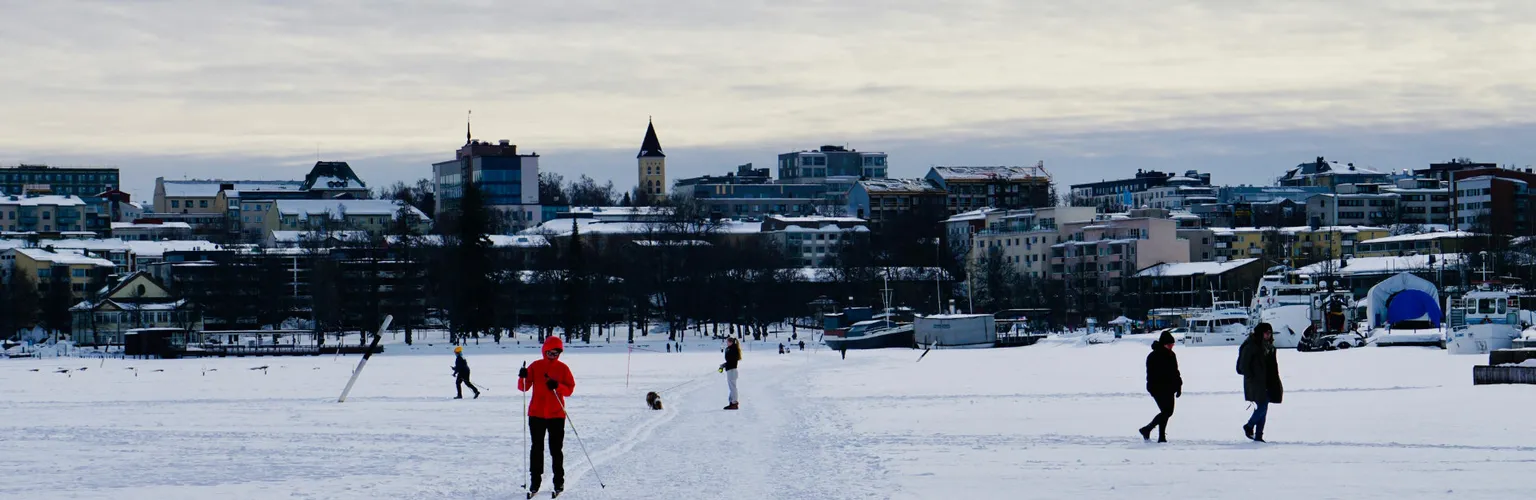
877,332
1021,327
1226,323
956,331
874,334
1404,310
1286,304
1483,320
1332,314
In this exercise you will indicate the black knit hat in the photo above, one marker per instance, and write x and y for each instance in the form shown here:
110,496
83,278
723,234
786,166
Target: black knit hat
1165,339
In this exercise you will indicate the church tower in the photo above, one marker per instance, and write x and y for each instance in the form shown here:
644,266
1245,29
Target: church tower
652,166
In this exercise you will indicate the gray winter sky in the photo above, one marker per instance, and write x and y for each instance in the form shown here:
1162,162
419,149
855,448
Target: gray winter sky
1095,89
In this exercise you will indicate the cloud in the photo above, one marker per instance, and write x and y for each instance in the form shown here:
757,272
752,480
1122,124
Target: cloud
132,82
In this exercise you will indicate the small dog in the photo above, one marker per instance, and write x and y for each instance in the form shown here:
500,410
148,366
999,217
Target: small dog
653,400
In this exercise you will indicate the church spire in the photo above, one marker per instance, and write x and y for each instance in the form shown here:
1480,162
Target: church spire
651,146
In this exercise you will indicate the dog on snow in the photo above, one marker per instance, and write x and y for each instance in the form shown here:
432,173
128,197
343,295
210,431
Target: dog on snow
653,400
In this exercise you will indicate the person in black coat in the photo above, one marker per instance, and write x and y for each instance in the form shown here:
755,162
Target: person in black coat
1164,384
461,374
1257,364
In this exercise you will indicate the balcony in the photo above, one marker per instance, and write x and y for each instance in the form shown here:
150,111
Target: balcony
1222,244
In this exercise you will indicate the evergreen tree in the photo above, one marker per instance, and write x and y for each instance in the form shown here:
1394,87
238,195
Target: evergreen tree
473,303
23,302
56,304
575,284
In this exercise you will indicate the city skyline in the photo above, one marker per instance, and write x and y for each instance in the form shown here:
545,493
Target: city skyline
256,89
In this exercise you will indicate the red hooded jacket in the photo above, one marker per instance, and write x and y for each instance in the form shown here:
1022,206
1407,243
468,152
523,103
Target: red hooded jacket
544,404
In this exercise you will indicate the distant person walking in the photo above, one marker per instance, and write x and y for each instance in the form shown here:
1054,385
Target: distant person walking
1164,384
461,374
732,357
551,382
1257,364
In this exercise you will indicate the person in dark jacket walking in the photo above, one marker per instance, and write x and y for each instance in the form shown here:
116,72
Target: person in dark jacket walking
461,374
1257,364
551,382
732,356
1164,384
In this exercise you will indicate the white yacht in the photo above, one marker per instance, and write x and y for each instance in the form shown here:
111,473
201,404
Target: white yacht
1285,304
1225,324
1482,320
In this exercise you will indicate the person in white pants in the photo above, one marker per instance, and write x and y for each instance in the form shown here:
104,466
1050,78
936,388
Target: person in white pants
732,357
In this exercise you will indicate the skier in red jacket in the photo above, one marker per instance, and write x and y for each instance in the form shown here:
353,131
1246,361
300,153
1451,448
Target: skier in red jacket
551,382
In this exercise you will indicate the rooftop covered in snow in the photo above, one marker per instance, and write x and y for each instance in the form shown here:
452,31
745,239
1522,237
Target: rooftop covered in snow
1382,265
990,173
1438,235
896,186
208,188
63,200
1192,268
335,208
66,257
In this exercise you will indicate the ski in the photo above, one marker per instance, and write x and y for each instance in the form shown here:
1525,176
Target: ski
364,362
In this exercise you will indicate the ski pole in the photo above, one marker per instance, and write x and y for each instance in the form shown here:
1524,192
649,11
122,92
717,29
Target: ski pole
579,441
527,450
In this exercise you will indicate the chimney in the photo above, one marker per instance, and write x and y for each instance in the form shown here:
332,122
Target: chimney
505,142
226,186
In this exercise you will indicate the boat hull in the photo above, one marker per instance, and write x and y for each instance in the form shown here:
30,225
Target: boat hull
1431,337
1480,339
897,337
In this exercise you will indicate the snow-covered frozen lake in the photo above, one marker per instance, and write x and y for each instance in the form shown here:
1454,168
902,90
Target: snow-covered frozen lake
1047,421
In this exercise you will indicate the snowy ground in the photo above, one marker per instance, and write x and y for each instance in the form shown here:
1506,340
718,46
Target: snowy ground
1048,421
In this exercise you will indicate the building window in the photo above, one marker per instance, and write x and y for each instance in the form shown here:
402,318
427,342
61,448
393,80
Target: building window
202,204
47,215
175,203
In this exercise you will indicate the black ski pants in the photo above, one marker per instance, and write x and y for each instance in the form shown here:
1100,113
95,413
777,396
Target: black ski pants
1164,412
461,381
555,427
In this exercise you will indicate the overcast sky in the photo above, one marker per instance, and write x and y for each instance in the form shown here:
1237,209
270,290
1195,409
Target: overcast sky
1097,89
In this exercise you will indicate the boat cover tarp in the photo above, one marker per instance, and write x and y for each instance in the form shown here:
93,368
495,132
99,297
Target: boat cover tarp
1412,304
1426,301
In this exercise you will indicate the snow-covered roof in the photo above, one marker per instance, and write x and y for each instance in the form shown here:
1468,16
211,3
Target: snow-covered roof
497,240
972,215
519,240
131,306
562,227
47,199
672,243
65,258
1382,265
208,188
816,219
307,208
157,249
163,225
829,274
900,186
987,173
634,211
1193,268
1422,237
825,228
302,236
